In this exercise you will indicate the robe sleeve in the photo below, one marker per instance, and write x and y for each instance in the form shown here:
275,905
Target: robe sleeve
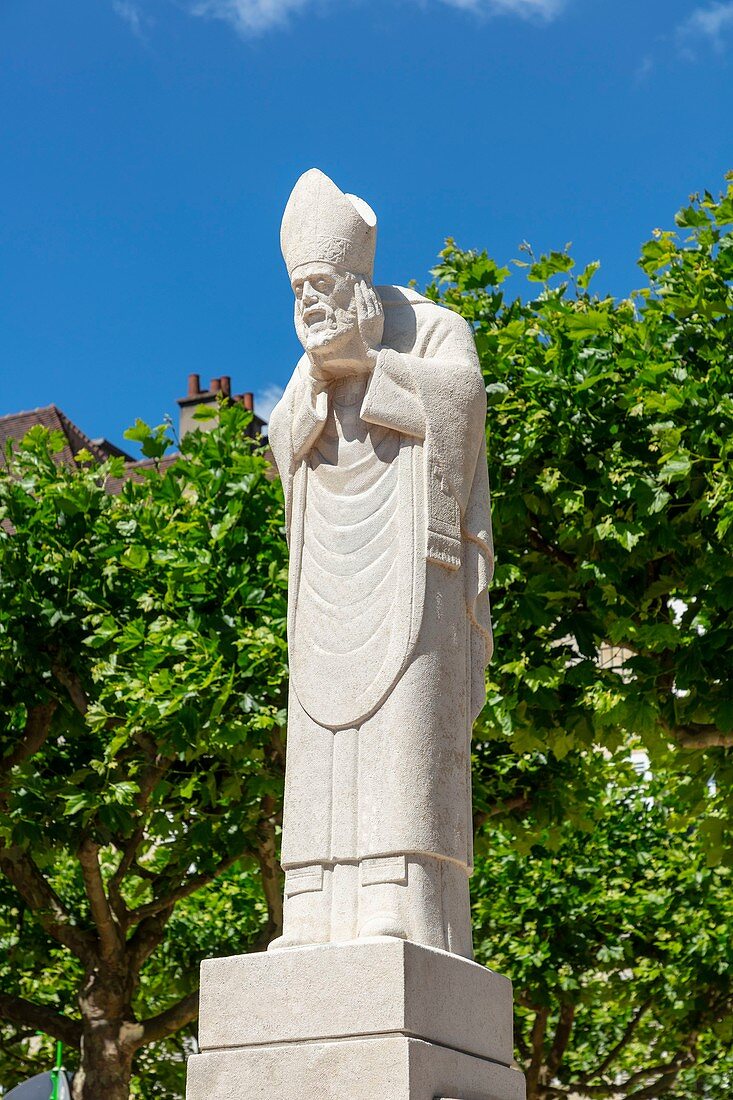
479,569
439,397
392,399
295,424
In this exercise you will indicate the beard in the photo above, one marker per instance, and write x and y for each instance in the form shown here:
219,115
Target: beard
328,327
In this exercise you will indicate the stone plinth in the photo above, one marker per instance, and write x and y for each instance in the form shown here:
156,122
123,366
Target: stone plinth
383,1019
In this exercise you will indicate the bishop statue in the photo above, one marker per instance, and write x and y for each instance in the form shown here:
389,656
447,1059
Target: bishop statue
379,441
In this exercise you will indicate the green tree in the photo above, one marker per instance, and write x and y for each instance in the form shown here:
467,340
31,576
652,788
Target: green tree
142,693
610,434
615,931
607,899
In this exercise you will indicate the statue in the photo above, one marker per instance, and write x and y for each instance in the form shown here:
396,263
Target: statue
379,441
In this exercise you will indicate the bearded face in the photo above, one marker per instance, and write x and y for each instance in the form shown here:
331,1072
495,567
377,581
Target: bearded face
325,307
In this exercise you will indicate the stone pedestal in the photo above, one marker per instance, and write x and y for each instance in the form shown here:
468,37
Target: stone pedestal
383,1019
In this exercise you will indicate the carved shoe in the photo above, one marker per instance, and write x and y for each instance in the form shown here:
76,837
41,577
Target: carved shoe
383,924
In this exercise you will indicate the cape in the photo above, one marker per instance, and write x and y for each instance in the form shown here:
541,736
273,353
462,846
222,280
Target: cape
423,413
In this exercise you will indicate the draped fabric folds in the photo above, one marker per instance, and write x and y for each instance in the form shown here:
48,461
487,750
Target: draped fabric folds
387,496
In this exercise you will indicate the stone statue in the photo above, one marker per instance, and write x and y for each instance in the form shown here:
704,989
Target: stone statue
379,440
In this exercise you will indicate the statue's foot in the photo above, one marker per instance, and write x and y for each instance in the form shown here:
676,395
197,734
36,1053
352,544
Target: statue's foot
287,941
384,924
278,942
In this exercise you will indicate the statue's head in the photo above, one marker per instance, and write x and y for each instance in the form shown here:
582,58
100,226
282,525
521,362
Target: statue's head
328,241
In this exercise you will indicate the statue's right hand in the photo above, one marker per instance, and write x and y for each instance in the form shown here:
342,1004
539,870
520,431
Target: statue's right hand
317,378
370,314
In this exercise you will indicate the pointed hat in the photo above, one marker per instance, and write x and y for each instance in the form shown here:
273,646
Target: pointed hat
321,223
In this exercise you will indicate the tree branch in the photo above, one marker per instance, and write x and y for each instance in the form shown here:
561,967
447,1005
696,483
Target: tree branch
517,802
148,779
40,1018
278,743
143,872
539,542
27,1063
560,1041
168,1022
625,1038
126,861
146,938
668,1073
678,1063
35,732
662,1084
151,908
537,1046
155,771
156,768
72,683
520,1043
702,737
110,938
44,902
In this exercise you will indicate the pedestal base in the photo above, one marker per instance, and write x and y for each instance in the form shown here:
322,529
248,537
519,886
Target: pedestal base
375,1020
389,1067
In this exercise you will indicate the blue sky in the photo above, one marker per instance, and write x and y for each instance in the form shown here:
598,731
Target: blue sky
149,147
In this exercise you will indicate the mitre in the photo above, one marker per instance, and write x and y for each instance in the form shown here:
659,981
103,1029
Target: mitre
322,224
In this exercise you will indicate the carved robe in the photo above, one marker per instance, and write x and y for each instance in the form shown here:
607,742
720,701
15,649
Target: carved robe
389,631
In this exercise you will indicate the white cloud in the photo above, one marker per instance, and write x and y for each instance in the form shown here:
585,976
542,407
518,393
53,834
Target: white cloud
249,17
252,17
266,399
132,15
706,25
644,69
543,9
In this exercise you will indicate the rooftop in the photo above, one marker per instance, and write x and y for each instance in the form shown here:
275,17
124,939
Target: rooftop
14,426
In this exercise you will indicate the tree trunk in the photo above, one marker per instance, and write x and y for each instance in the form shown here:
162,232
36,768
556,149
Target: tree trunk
106,1067
106,1052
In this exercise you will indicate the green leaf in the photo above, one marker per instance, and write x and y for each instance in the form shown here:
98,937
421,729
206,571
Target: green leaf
676,466
586,325
135,557
554,263
76,803
586,275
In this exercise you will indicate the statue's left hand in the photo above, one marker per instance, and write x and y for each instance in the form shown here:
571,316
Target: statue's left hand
370,317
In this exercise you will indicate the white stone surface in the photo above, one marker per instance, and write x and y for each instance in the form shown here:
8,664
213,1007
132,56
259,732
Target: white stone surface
379,441
356,989
379,1068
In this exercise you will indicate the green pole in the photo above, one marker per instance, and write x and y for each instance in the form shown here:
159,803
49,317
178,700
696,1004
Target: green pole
56,1071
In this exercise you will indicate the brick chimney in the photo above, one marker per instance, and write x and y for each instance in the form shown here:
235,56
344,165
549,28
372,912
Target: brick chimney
218,388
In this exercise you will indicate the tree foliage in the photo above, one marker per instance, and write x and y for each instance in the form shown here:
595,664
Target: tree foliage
610,429
142,688
611,458
617,939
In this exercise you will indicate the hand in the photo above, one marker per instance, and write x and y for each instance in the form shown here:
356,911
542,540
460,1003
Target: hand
318,381
370,318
